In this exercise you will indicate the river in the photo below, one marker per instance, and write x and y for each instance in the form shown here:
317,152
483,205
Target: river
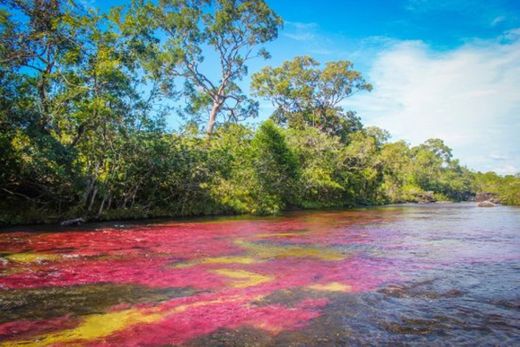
407,274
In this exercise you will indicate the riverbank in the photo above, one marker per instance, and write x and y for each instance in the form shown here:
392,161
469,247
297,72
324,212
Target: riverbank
137,219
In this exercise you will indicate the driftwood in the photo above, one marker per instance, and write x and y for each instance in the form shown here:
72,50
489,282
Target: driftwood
75,221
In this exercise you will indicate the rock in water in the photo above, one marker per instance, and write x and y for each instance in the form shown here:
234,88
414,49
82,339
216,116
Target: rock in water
486,204
487,197
76,221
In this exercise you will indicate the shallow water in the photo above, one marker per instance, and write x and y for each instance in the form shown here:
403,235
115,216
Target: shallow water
415,274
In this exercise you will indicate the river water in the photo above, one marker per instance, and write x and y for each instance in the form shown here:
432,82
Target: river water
410,274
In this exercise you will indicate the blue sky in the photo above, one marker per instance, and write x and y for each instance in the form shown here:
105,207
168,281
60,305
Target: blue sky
440,68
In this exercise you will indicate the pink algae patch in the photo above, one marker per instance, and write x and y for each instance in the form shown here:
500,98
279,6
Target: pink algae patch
230,266
229,313
28,328
148,272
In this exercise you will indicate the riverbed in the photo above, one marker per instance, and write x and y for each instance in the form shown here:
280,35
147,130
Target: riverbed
407,274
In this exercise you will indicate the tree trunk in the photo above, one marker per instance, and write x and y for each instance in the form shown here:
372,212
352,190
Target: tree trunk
213,116
101,206
92,199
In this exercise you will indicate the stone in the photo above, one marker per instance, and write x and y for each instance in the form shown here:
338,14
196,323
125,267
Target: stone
486,204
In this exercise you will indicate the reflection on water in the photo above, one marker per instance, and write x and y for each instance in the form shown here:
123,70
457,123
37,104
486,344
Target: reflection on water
434,274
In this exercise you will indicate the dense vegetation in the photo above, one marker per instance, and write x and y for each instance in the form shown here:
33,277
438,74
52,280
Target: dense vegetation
84,96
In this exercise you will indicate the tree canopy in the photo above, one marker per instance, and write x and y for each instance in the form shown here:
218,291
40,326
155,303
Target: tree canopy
304,94
84,96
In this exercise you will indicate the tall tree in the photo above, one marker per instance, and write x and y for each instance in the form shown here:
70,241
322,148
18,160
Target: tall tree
276,166
233,30
41,49
71,102
305,94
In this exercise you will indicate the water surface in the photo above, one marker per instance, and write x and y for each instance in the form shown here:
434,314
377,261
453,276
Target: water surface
428,274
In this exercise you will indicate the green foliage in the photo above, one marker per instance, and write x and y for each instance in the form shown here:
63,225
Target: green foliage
505,188
363,174
424,173
318,155
259,171
235,185
72,108
276,168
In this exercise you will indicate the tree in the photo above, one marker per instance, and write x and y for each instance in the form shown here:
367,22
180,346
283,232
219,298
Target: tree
304,94
233,30
362,169
439,149
397,165
41,49
319,160
505,189
276,167
70,106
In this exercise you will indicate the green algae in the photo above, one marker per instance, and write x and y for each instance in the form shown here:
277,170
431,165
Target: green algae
44,303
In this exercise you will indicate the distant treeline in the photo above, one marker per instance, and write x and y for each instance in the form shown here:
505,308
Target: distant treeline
84,96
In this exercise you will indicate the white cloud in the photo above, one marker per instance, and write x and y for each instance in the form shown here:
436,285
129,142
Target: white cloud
511,35
308,37
470,97
300,31
497,20
302,25
300,36
498,157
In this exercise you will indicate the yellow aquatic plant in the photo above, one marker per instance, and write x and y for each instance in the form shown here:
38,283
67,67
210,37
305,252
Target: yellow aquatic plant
32,257
219,260
97,326
269,251
262,251
283,234
242,278
331,287
91,328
